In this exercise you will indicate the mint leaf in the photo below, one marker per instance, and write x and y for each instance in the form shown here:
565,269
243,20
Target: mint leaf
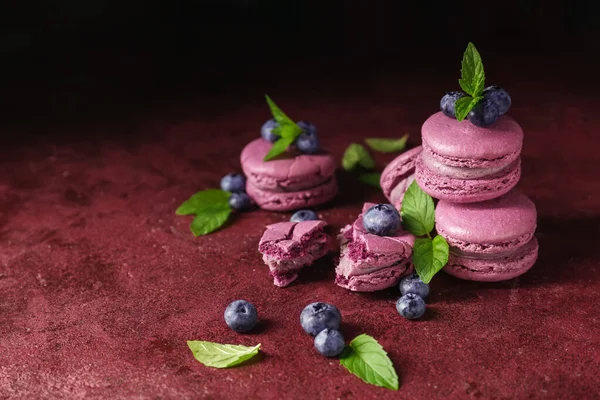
278,114
288,131
418,212
356,154
209,220
472,74
464,105
279,147
211,207
387,145
371,179
430,256
202,199
365,358
221,355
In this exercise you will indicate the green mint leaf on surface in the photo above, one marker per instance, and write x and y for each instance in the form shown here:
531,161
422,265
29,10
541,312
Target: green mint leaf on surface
430,256
371,179
464,105
387,145
204,198
221,355
356,154
472,79
209,220
418,211
211,207
279,147
365,358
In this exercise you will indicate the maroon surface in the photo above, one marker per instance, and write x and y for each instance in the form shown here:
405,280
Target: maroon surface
101,284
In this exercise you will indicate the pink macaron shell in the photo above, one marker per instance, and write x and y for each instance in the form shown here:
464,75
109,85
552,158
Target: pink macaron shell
378,280
291,171
462,144
494,226
289,201
398,171
467,190
496,269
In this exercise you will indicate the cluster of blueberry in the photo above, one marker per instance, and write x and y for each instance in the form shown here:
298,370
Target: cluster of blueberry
320,320
236,184
307,142
496,102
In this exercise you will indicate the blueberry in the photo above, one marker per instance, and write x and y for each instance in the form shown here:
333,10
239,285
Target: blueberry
498,96
318,316
233,182
449,101
266,130
308,141
240,201
304,215
329,342
382,220
484,113
413,284
411,306
241,316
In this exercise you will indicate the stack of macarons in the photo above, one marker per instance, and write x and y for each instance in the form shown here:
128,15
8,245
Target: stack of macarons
472,170
289,182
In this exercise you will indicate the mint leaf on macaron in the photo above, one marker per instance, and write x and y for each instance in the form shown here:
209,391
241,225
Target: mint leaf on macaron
384,145
211,207
356,154
418,211
430,256
279,147
464,105
288,130
365,358
472,81
218,355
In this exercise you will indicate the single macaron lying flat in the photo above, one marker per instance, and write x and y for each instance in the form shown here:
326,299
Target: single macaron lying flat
398,175
489,241
290,181
464,163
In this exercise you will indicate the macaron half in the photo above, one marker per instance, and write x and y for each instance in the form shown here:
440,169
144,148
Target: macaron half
398,175
464,163
290,181
489,241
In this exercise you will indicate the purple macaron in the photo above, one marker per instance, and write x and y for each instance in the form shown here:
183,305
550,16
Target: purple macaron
489,241
398,175
464,163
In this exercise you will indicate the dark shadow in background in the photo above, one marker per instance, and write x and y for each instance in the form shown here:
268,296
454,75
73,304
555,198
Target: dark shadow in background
74,61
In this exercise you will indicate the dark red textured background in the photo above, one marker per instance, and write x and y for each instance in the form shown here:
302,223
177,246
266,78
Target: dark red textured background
113,113
102,284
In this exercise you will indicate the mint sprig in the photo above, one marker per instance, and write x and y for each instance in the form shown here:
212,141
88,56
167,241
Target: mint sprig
287,130
430,255
371,178
211,208
472,81
356,154
218,355
365,358
384,145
